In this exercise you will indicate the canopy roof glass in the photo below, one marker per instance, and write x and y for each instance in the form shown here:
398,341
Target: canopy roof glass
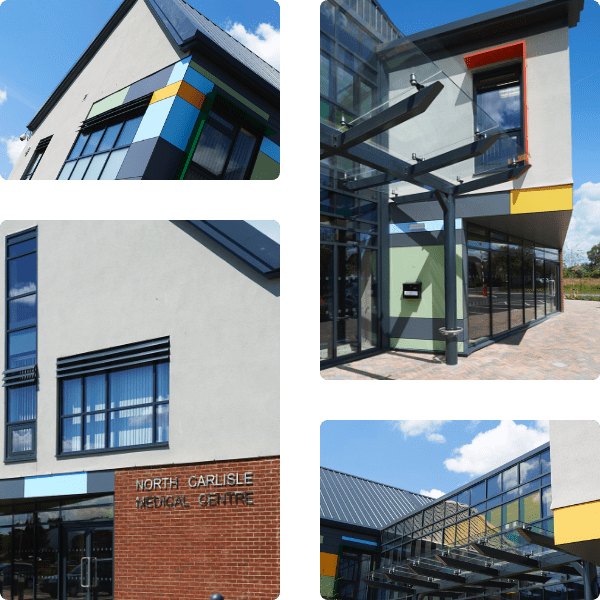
417,128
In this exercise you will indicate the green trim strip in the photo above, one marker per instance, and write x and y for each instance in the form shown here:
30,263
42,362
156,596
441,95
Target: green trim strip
195,136
229,90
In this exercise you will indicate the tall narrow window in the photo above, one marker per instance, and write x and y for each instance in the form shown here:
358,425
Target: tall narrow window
36,158
21,344
499,97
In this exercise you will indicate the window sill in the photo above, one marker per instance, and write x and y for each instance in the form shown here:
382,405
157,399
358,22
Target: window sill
105,451
20,459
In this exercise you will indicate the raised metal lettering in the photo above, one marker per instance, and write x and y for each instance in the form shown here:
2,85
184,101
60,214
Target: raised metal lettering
211,497
167,502
202,499
139,486
231,479
248,478
192,485
240,495
157,483
249,498
210,479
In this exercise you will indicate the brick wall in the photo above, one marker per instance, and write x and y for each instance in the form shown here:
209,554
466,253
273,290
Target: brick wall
164,549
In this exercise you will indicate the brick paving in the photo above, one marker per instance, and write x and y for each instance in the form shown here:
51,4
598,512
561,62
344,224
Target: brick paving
566,346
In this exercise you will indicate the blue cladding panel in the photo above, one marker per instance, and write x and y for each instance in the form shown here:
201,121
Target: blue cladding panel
180,122
179,70
56,485
148,84
270,149
198,81
348,539
154,120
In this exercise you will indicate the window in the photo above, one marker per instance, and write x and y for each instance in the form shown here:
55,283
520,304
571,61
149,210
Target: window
99,152
20,375
36,158
499,96
115,399
226,149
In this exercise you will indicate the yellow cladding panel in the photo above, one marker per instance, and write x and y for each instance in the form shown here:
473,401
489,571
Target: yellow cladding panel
546,199
577,523
328,564
166,92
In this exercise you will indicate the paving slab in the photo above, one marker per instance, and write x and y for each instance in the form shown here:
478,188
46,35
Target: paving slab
566,346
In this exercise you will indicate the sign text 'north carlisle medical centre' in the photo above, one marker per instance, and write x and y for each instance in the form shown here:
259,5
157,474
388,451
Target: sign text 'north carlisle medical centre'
215,490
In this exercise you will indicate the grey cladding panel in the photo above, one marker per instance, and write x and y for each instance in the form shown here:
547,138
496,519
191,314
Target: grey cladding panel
12,488
101,481
422,238
148,84
412,328
349,499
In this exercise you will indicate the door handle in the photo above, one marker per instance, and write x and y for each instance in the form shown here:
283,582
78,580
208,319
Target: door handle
85,572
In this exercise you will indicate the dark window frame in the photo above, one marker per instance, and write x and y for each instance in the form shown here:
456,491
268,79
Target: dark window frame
480,86
107,410
222,111
9,454
36,158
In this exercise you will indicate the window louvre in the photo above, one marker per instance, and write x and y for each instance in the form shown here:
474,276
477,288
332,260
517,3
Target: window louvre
19,376
114,358
120,113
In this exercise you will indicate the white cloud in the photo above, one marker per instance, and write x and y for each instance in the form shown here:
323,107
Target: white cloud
14,147
2,92
584,230
432,493
427,428
492,448
264,42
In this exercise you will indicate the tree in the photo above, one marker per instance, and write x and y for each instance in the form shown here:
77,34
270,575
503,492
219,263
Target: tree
594,256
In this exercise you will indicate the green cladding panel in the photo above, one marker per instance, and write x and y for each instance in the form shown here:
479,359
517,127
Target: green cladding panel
427,345
265,167
327,586
107,103
424,264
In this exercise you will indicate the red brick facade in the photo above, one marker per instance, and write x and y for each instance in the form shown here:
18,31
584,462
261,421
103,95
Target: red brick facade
173,548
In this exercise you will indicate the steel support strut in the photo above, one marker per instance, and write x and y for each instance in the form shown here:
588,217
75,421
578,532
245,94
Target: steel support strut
450,330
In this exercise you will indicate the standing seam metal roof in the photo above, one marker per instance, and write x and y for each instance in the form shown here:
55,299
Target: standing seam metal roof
349,499
184,21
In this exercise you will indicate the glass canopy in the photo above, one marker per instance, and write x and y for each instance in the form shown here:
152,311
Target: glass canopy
450,140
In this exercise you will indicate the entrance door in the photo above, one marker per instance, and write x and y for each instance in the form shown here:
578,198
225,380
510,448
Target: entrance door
88,564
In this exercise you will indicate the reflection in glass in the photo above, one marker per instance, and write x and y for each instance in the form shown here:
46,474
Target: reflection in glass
47,543
22,311
540,287
21,348
479,296
529,287
326,301
368,298
509,478
347,287
22,275
131,427
500,314
530,469
516,291
21,403
212,150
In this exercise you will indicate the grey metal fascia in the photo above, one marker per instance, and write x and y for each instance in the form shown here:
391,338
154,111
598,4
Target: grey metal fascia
263,258
478,480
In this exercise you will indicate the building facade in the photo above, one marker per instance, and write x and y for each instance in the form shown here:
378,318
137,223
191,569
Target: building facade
133,461
161,93
490,538
491,130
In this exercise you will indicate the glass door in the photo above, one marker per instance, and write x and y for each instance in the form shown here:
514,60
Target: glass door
88,563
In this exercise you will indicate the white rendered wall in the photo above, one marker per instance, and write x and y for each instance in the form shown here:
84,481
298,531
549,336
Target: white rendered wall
444,125
107,283
575,457
137,47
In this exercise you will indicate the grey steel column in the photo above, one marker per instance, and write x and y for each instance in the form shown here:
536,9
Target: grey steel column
450,322
589,581
450,329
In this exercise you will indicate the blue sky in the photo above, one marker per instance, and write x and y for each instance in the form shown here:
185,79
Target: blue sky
584,230
427,457
40,41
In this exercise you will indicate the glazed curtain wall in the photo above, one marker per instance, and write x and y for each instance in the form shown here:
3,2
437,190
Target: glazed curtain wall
30,543
522,493
511,283
349,295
